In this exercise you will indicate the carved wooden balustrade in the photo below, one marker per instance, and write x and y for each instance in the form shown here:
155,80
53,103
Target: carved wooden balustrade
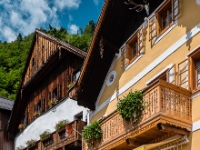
167,112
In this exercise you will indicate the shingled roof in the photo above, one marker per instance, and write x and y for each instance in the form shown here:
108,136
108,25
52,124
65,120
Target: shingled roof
6,104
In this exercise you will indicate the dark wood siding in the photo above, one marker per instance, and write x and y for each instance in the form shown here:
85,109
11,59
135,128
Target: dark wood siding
56,80
5,144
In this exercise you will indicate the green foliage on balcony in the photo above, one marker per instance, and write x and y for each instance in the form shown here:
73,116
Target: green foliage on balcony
130,108
92,132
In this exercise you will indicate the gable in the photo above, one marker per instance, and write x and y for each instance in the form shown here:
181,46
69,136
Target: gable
42,50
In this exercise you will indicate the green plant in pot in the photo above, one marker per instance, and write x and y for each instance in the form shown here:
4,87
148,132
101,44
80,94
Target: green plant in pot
44,134
31,143
20,147
70,85
131,106
52,102
92,133
61,124
36,114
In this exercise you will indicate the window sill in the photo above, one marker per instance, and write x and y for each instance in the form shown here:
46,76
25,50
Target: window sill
133,61
195,93
165,31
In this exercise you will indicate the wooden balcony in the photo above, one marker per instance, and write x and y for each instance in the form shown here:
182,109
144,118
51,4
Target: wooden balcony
58,139
168,112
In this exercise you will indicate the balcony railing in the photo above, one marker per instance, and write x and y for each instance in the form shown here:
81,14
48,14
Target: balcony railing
166,105
58,139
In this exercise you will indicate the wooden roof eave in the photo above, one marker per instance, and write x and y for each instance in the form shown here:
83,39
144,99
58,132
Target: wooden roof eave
95,36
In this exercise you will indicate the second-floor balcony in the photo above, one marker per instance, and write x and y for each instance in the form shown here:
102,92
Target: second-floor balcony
60,140
167,113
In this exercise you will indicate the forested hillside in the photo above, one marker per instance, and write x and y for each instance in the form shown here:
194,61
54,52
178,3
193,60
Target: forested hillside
13,55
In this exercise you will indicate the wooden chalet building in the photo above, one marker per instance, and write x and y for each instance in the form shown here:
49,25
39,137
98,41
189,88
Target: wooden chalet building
6,106
158,54
42,100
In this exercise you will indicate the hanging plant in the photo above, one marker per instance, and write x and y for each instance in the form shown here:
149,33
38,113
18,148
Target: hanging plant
131,106
92,132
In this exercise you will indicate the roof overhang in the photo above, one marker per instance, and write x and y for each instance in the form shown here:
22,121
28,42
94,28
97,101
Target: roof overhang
115,25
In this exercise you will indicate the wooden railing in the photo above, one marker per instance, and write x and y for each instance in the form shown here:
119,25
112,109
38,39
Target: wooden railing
165,103
58,139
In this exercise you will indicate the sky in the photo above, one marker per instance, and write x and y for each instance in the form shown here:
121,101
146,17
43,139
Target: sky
24,16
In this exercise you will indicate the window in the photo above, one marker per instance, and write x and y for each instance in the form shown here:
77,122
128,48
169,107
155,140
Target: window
168,74
195,70
33,61
55,94
164,17
37,109
132,49
79,116
163,76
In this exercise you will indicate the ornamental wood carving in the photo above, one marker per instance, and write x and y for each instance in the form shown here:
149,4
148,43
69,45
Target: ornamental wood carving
166,103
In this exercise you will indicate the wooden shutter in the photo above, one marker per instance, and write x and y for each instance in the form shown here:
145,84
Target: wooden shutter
175,9
123,58
42,104
152,28
171,75
50,95
183,73
140,41
59,91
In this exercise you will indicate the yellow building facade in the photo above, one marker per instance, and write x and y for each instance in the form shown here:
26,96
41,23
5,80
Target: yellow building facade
160,57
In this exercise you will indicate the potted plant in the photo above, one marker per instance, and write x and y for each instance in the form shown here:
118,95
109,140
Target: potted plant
52,102
130,108
71,85
21,127
31,143
61,124
92,133
20,147
36,114
45,135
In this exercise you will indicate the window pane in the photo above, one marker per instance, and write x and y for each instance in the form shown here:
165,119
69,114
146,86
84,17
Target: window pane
134,49
197,63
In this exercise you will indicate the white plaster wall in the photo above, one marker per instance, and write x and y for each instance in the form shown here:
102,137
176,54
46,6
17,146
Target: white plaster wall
64,110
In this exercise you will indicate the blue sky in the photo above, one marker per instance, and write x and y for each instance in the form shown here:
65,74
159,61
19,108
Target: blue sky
23,16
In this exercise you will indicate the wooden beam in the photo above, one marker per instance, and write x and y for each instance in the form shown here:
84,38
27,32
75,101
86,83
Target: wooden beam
133,142
172,129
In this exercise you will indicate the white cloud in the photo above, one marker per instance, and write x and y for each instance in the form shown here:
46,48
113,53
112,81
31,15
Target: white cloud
70,4
96,2
9,33
23,16
73,28
70,17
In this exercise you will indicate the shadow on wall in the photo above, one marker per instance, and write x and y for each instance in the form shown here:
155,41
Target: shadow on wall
189,21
